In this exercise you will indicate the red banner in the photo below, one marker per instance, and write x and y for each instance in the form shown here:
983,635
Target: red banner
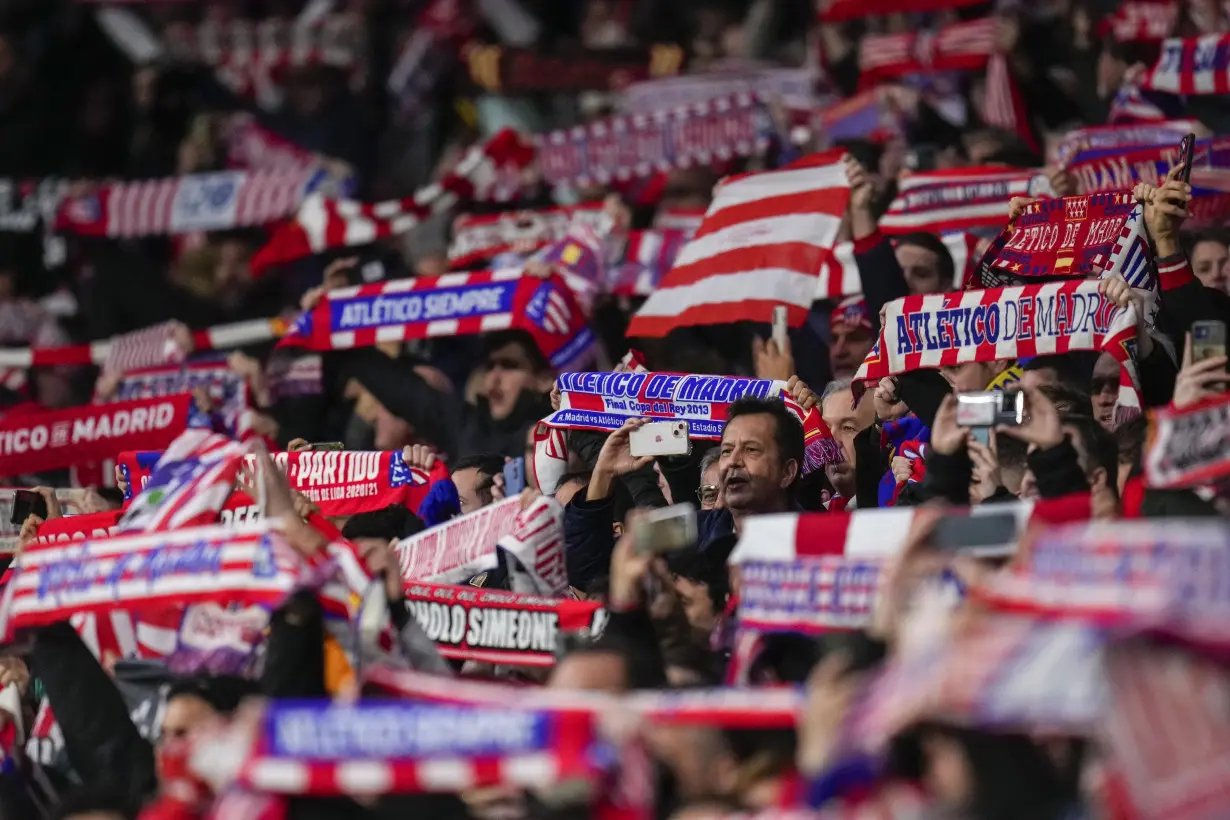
60,438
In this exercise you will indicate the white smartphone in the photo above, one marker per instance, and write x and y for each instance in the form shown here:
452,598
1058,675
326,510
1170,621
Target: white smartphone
666,529
779,327
660,438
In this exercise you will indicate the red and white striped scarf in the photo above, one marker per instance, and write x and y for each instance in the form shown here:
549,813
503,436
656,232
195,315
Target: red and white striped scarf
455,304
1141,21
189,484
150,347
998,673
930,331
959,199
873,534
625,147
761,245
494,626
1188,447
957,46
478,237
253,146
1197,65
252,57
196,202
1099,137
380,747
1144,576
219,337
148,574
226,388
322,224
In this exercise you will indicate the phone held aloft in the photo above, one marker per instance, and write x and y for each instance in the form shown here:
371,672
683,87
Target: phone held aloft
990,408
1208,340
667,529
660,438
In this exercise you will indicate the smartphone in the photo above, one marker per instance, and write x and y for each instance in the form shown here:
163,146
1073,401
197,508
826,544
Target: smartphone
779,327
27,503
1208,340
1186,149
660,438
667,529
984,535
990,408
514,477
319,446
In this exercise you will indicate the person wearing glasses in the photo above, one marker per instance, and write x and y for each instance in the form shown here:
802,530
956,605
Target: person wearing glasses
709,493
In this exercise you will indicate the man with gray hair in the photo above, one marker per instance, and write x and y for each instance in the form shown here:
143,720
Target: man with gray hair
845,421
710,490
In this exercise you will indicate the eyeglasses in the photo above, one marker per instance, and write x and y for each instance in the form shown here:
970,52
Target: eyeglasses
707,493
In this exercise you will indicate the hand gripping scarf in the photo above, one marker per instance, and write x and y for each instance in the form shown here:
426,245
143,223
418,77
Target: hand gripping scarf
341,483
1132,577
1188,447
455,304
935,330
494,626
322,748
60,438
604,401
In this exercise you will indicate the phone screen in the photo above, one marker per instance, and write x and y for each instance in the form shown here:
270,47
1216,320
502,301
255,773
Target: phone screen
1186,150
27,503
514,477
983,535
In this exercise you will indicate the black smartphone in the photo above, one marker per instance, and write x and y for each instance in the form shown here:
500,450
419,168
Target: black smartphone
982,535
27,503
1186,149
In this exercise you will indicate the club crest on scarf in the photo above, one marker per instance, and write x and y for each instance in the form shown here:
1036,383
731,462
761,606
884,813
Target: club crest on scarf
550,310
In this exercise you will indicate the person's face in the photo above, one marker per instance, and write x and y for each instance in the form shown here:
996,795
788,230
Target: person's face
1032,379
509,371
473,489
851,344
971,377
948,775
1110,74
921,268
711,487
1104,390
697,605
590,672
1211,264
841,418
753,475
233,267
185,718
391,432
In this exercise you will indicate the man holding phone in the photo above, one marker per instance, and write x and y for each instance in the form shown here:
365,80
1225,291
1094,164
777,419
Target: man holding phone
760,460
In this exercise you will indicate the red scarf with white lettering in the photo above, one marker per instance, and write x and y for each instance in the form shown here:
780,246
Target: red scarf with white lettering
53,439
494,626
341,483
